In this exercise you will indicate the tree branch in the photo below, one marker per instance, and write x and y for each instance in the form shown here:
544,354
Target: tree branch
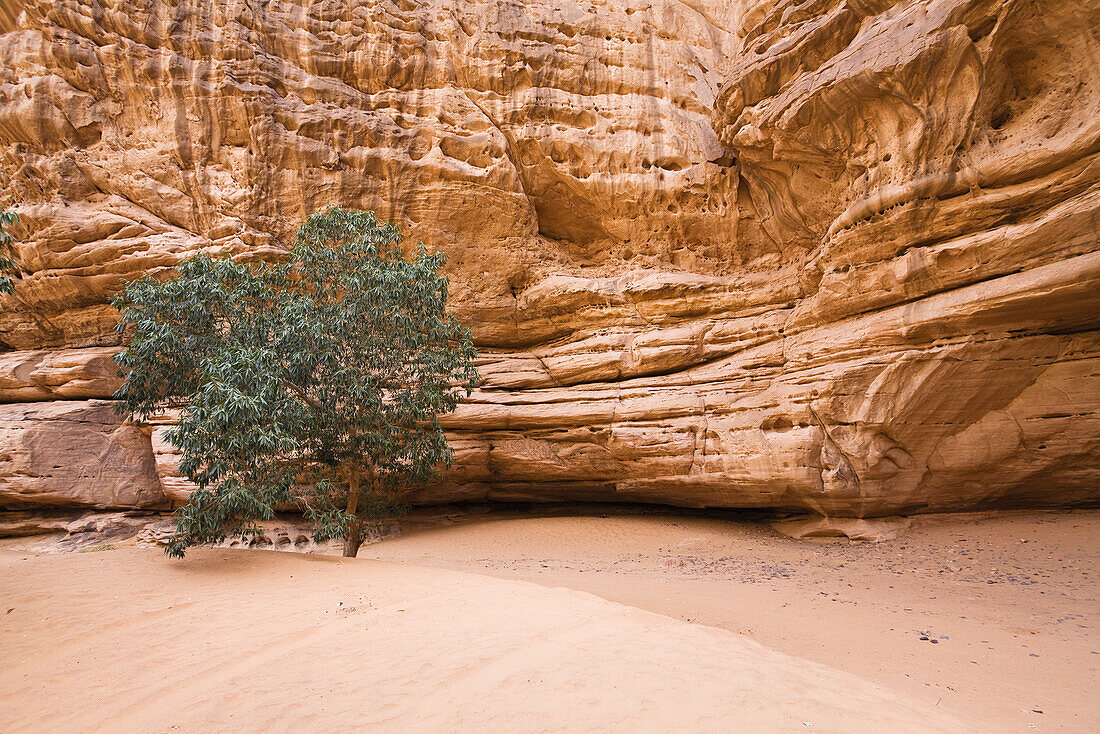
301,395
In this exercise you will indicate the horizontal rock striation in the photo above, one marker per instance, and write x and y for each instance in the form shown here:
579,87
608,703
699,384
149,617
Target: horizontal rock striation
839,257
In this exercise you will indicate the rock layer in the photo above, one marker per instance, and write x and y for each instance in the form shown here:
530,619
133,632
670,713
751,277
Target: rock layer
837,256
75,453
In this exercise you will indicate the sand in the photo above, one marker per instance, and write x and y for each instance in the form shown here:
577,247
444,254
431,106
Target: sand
762,633
126,640
1008,602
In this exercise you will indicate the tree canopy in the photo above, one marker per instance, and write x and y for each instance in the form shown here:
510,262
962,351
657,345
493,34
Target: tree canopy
8,266
317,381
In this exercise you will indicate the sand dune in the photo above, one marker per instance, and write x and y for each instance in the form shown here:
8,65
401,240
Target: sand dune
991,617
128,640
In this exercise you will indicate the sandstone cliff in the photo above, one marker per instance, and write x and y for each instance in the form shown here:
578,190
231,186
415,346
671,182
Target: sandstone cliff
838,256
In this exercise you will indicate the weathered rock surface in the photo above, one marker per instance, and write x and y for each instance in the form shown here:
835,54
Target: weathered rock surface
840,256
75,453
20,523
874,530
64,374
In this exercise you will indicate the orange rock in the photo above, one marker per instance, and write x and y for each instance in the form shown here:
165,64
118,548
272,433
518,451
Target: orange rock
833,259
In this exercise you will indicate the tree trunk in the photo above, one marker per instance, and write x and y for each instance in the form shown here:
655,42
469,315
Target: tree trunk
353,536
352,540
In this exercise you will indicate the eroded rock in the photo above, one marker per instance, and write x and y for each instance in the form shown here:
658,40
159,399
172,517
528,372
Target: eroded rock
75,453
874,530
840,258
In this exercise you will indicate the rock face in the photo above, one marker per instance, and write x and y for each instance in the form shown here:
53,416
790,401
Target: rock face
837,256
75,453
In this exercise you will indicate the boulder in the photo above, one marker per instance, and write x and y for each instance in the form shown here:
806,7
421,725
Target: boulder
75,453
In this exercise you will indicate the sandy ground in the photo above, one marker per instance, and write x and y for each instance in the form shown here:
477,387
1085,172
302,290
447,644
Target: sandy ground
1008,603
128,640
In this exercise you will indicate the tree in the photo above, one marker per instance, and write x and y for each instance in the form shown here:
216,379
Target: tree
7,263
316,381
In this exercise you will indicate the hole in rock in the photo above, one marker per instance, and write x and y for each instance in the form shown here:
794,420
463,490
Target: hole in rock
982,29
1000,116
776,423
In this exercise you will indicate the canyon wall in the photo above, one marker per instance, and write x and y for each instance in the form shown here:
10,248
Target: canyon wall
837,256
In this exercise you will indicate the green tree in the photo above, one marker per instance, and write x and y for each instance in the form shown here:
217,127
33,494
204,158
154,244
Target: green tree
316,381
7,263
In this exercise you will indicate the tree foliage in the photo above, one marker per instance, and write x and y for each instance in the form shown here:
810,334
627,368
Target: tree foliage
317,381
8,266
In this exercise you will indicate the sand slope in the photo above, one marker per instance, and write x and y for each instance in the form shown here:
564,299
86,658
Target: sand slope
127,640
990,617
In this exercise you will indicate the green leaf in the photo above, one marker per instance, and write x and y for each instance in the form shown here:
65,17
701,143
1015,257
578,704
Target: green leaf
300,381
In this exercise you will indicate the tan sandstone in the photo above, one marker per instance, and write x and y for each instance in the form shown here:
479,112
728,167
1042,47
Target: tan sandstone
838,257
75,453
